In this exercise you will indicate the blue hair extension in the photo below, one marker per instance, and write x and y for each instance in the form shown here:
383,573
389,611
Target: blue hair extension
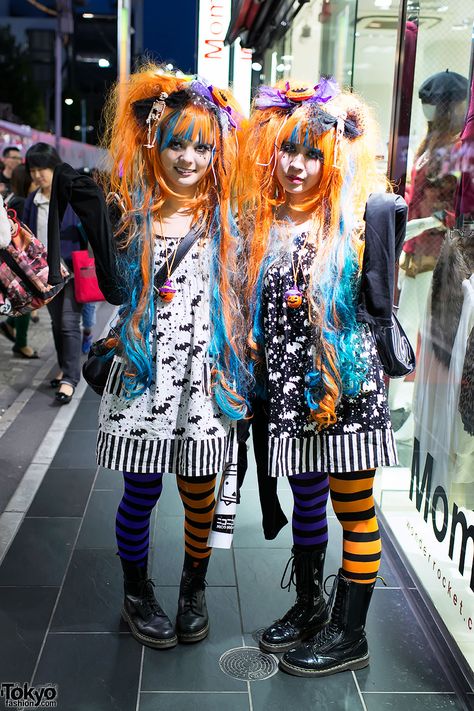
314,390
231,381
337,290
258,331
138,374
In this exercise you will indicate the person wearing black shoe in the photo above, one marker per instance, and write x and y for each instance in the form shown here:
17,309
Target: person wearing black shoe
341,644
308,165
192,620
309,612
64,310
177,350
16,328
148,623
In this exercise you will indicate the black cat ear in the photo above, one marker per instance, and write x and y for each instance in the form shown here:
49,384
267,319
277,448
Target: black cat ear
321,121
141,110
352,125
351,131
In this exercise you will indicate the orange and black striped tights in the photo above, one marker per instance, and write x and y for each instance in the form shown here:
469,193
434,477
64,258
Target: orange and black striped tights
351,496
141,494
353,503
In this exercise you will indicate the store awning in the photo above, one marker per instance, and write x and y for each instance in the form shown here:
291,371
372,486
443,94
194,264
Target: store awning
244,13
259,23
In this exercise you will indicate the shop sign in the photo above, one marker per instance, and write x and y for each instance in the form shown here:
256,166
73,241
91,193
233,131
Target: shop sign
436,533
213,55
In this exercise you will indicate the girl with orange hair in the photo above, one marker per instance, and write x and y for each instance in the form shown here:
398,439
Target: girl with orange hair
176,378
307,169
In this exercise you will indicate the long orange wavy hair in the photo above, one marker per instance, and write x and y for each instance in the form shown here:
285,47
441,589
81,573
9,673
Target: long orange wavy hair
349,175
136,175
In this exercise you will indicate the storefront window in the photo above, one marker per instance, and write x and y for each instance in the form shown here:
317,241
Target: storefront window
428,501
373,68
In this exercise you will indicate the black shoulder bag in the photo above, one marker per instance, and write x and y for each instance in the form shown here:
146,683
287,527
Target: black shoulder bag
384,232
395,351
97,367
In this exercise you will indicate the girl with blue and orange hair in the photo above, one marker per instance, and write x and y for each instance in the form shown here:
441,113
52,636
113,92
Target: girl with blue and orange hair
307,169
177,379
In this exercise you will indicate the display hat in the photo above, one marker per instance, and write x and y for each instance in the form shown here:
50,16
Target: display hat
444,88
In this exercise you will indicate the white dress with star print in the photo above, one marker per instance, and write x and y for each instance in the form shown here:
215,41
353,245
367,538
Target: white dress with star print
362,438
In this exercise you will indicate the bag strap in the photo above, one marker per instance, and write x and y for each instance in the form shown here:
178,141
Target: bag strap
183,248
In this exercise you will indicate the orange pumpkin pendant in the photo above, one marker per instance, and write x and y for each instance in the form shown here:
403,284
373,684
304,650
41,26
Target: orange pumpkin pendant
167,292
293,297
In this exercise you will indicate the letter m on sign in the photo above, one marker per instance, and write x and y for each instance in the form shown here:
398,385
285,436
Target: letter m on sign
217,46
423,488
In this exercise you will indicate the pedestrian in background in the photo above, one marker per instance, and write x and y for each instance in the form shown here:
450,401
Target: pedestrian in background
16,328
64,310
11,158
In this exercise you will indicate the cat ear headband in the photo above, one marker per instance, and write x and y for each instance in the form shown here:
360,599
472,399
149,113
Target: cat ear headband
293,96
148,112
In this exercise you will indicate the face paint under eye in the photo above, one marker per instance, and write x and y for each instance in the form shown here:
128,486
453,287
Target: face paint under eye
288,147
315,154
175,143
203,148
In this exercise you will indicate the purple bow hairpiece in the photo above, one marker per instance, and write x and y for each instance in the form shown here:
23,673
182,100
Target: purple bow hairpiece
232,118
268,98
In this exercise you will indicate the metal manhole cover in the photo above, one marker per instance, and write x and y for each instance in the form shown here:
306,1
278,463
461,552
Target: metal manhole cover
248,664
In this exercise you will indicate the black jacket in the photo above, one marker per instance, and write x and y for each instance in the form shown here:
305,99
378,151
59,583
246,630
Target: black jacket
87,200
385,225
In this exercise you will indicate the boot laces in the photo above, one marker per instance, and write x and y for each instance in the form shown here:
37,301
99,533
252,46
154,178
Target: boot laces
335,604
301,575
190,588
300,606
292,575
149,602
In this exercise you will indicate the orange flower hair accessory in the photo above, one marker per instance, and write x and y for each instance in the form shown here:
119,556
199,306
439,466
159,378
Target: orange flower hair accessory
299,93
293,94
221,98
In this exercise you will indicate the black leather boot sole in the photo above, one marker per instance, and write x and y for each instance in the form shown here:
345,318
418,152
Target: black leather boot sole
191,637
153,642
349,665
277,648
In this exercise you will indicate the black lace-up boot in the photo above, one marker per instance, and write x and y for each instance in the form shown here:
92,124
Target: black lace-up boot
340,645
192,621
141,611
309,613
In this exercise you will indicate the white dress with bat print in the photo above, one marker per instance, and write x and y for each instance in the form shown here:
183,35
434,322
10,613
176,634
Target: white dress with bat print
175,426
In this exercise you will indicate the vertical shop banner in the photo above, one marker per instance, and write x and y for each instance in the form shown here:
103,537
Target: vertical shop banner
213,55
242,82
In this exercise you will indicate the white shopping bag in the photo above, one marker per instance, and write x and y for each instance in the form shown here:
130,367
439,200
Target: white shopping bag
222,529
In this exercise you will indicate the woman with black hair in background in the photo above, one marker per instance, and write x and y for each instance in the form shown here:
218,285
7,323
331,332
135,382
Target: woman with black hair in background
41,160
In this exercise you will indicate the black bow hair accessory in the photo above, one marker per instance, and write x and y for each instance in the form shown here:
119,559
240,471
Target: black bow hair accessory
321,122
177,100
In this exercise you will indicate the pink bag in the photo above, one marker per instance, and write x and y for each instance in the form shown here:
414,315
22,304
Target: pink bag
24,272
86,286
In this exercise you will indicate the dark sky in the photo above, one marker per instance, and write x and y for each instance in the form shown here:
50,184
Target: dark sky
169,32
